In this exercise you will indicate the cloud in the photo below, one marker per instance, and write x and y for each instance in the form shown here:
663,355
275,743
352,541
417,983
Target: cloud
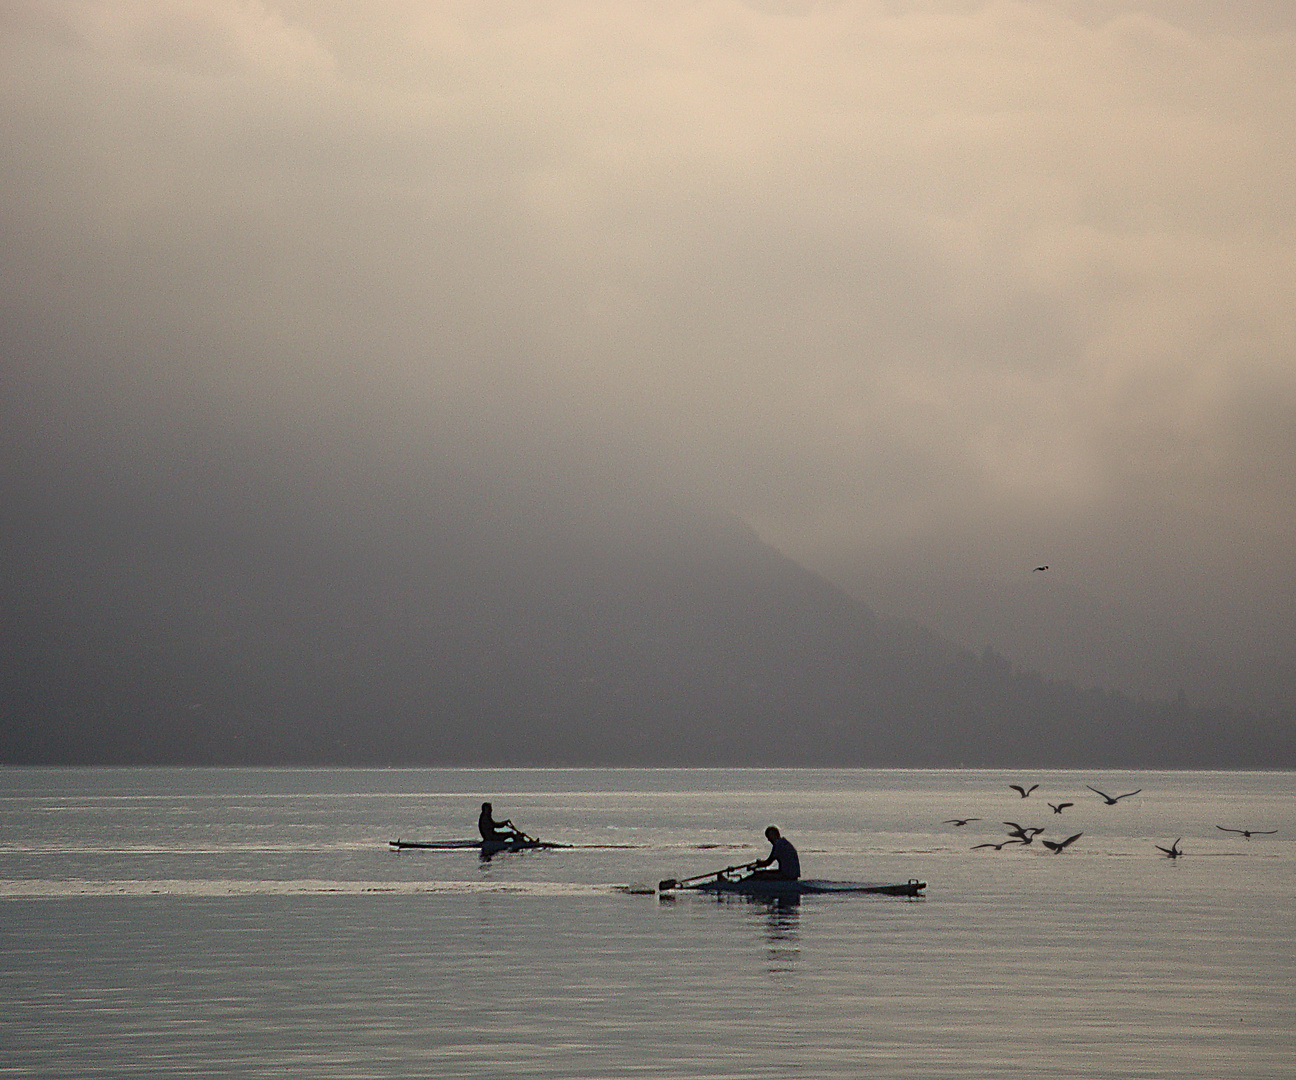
958,285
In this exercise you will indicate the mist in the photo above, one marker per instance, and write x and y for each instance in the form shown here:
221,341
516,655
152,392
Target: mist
926,295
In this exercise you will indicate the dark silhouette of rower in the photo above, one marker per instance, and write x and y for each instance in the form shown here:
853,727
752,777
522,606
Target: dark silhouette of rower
491,829
781,852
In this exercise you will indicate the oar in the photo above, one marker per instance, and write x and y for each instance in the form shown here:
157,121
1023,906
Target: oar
669,883
521,834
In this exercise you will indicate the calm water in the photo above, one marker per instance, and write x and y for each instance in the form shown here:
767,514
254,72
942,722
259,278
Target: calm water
254,923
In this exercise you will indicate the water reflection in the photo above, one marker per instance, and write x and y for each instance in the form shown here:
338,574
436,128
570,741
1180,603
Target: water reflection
780,918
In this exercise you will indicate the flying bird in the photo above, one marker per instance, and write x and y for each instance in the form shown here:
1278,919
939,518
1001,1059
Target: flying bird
1058,807
1248,833
1038,569
1056,847
959,820
1172,852
1023,792
1112,800
999,847
1023,835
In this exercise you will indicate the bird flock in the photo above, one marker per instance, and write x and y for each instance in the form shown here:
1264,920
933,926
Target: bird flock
1025,835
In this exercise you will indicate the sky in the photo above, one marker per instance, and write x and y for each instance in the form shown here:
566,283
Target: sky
929,294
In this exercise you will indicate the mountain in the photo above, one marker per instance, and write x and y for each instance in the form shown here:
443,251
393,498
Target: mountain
241,609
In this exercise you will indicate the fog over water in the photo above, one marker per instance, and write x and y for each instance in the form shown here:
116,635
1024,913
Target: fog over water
927,294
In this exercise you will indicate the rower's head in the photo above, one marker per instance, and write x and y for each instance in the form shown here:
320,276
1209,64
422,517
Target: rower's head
486,808
772,834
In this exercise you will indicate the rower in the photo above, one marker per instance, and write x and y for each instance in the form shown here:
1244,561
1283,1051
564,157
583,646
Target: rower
781,852
491,829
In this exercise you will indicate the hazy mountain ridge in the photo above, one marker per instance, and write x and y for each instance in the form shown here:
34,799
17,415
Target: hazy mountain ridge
229,617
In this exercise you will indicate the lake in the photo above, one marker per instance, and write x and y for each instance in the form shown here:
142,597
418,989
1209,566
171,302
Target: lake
193,922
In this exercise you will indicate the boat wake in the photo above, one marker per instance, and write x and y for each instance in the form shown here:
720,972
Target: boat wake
49,889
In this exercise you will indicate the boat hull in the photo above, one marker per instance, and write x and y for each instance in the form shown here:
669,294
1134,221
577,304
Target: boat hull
806,887
486,847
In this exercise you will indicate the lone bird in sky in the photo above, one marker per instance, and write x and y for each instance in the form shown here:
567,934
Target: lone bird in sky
1058,807
1171,852
1057,846
1112,800
1023,792
959,820
1248,833
1038,569
1025,836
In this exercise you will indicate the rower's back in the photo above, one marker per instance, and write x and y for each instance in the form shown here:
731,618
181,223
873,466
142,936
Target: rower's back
786,858
488,826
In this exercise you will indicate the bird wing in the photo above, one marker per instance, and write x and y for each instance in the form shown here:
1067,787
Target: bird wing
1129,793
1031,788
1222,829
1072,839
1018,788
1102,793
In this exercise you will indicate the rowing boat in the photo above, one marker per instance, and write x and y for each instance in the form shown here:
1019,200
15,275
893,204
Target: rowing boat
486,847
773,887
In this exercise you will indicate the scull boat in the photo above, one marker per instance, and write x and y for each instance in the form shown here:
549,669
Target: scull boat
486,847
767,887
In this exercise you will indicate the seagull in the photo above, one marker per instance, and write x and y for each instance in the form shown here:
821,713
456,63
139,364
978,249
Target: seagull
959,820
1039,568
1056,848
1248,833
1023,792
1112,800
1025,836
1060,806
1172,852
1000,847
